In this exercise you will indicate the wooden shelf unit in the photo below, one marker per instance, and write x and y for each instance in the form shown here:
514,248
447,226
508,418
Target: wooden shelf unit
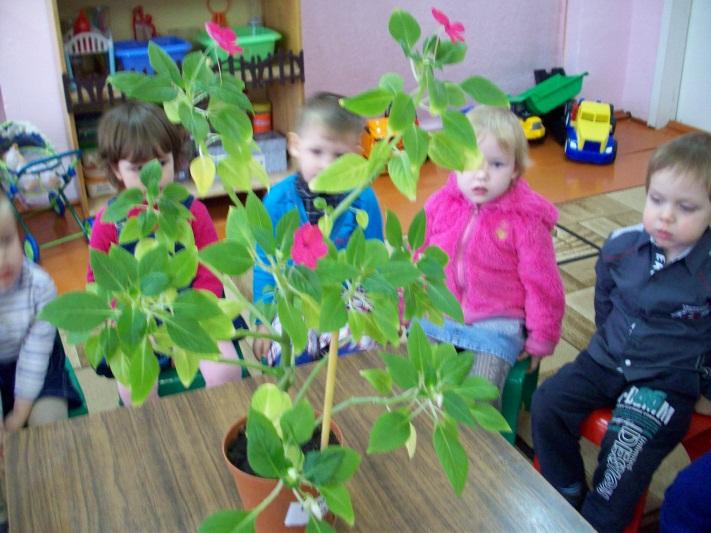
277,79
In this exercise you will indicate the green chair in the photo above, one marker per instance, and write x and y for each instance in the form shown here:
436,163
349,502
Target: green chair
169,382
80,409
518,389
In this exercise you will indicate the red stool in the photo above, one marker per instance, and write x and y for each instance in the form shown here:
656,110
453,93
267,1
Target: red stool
696,442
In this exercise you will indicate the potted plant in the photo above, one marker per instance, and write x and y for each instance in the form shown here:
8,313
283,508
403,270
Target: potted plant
140,303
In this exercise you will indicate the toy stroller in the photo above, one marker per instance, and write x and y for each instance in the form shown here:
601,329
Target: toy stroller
30,168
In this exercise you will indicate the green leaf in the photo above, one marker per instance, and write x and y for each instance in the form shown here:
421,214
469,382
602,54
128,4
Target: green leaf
344,174
455,367
234,173
402,114
156,89
131,327
318,526
404,29
489,417
455,94
298,423
194,122
438,95
228,257
477,388
379,379
402,175
293,324
390,431
399,272
271,402
151,174
375,253
445,301
154,283
392,82
144,372
416,141
333,311
197,304
370,103
451,455
331,466
126,81
260,223
183,267
446,152
362,217
339,503
175,192
231,121
418,348
124,202
162,63
449,53
228,522
393,230
125,263
265,451
195,68
355,250
286,227
457,408
416,232
130,232
186,365
106,275
190,336
402,370
457,127
76,311
485,92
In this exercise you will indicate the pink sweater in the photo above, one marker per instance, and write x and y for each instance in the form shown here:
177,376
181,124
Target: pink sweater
502,260
103,235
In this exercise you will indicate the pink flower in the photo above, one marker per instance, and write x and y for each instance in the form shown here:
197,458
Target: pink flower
224,37
309,246
453,29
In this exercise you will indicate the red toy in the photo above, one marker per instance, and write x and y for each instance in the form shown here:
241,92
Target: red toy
219,17
81,24
143,27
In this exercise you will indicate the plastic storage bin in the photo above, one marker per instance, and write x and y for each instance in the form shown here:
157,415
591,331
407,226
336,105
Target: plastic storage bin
134,54
256,41
273,146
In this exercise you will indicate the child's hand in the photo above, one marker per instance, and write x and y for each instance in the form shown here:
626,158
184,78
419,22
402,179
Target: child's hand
261,347
535,361
703,406
16,419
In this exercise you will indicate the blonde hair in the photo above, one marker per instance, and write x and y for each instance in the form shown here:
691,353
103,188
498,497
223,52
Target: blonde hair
688,155
324,108
506,129
138,132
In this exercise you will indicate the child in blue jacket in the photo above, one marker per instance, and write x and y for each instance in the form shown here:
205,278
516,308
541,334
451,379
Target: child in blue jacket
325,131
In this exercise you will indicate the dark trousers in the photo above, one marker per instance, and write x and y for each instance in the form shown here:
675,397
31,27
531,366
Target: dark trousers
647,422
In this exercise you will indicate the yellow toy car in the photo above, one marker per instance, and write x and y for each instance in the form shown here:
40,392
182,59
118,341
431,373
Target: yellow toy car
533,128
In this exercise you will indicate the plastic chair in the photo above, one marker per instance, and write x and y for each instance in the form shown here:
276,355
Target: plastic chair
89,42
518,389
696,442
81,409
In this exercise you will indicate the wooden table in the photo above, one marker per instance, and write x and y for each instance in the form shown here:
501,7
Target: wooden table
159,468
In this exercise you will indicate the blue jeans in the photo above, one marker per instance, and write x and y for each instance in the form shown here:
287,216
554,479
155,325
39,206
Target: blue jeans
502,337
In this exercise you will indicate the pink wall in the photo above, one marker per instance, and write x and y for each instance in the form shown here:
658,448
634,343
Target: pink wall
507,40
30,73
616,42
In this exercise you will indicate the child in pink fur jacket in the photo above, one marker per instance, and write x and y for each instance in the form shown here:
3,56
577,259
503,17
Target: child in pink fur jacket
502,266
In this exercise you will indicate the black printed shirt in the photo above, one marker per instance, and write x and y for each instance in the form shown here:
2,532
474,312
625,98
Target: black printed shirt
653,316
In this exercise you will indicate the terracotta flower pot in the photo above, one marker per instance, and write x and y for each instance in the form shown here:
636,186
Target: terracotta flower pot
254,489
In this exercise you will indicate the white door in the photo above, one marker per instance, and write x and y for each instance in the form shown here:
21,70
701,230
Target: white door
694,107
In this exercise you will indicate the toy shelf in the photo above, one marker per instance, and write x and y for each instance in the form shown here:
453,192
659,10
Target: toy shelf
90,94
